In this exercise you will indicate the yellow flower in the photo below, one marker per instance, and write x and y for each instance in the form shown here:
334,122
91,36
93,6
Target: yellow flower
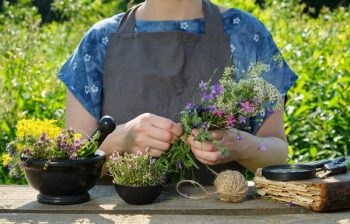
77,135
36,127
6,159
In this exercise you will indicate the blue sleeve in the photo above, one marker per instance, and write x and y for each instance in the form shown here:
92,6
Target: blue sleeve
82,73
279,73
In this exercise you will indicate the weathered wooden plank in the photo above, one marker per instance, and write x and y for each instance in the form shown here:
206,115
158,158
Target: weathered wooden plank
104,200
320,218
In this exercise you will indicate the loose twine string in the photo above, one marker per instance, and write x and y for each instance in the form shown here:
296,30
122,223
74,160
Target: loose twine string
230,185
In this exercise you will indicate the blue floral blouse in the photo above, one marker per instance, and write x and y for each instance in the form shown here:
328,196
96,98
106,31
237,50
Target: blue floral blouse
250,42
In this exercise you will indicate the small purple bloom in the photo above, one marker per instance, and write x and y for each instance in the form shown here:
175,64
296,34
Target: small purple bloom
203,85
205,126
238,137
256,100
262,147
231,120
218,113
179,165
290,204
211,108
242,119
42,137
247,106
270,111
188,106
206,96
216,89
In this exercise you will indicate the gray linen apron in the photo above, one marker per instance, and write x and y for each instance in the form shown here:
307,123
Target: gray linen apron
157,72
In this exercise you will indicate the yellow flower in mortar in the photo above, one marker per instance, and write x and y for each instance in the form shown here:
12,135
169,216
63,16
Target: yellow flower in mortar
35,127
6,159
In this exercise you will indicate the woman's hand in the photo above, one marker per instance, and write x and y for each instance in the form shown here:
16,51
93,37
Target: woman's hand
151,134
208,153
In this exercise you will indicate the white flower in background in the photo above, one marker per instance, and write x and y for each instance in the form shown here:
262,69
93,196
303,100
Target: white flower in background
256,37
87,58
236,20
184,26
105,40
75,65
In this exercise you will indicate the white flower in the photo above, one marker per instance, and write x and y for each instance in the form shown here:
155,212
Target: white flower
91,89
87,58
184,26
94,89
233,48
75,65
236,20
256,37
105,40
87,89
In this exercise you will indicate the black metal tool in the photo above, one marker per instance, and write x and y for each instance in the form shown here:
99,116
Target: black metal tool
337,166
323,168
105,126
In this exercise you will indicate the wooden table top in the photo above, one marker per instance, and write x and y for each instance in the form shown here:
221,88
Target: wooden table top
18,205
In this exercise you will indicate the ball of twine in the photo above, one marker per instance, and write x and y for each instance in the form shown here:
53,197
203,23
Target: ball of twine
231,186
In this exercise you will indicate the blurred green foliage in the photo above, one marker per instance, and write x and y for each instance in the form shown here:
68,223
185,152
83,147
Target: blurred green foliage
317,116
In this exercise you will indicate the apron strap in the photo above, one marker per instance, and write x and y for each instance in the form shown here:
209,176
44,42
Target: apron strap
211,13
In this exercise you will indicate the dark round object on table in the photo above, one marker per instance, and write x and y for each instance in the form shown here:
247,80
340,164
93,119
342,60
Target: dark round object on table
289,172
139,195
64,182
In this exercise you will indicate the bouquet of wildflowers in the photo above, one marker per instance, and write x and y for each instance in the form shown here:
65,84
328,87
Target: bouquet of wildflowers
43,139
224,105
135,170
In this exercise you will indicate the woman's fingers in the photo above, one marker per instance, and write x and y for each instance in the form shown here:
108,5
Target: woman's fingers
161,134
156,144
210,158
154,152
166,124
205,146
214,134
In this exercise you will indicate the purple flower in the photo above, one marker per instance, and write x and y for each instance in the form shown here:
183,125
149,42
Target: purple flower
216,89
238,137
179,165
206,96
205,126
246,106
270,111
211,108
262,147
231,120
188,106
242,119
43,137
256,101
218,113
290,204
203,85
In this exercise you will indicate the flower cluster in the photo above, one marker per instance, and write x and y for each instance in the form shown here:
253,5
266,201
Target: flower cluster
224,105
43,139
135,170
